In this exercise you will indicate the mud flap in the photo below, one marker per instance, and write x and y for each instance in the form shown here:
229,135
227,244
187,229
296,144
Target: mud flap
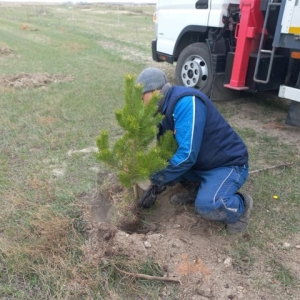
219,92
293,116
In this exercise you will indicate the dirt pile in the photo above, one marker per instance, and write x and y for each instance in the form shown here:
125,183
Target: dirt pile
190,250
5,51
25,80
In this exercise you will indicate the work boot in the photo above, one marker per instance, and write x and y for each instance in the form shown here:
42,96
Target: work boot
188,197
242,224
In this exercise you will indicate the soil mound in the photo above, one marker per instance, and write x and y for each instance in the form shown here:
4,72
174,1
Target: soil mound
5,51
25,80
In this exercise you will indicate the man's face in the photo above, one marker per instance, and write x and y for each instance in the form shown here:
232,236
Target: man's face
146,97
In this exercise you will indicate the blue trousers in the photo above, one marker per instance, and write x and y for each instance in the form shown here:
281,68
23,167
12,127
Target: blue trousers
217,197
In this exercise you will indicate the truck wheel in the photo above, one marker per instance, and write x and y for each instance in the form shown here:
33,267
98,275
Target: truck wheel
193,68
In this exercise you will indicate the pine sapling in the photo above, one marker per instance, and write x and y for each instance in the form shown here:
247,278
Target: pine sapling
135,155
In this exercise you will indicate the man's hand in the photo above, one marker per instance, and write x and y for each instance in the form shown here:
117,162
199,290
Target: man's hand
149,197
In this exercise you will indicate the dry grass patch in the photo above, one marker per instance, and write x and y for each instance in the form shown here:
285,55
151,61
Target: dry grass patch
46,248
46,236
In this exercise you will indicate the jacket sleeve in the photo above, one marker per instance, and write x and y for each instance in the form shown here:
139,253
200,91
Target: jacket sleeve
189,121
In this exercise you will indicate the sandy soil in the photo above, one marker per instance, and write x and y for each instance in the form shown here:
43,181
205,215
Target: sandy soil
190,250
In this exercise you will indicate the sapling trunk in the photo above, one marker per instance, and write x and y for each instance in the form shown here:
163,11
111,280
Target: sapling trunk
136,191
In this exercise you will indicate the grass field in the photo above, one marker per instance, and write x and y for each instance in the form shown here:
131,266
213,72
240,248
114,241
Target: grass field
42,227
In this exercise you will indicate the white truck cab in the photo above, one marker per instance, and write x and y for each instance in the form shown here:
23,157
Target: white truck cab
251,45
174,18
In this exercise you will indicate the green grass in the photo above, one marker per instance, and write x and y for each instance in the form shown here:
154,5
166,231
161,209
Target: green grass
283,274
42,228
96,46
273,221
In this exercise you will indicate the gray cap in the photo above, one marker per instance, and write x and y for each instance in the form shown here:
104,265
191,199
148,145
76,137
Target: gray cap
152,79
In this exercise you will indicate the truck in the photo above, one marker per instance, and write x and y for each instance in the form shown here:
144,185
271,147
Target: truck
227,46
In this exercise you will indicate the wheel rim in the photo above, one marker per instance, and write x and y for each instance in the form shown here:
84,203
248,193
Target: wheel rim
194,72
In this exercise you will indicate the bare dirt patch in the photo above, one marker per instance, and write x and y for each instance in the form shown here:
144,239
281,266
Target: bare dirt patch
194,251
25,80
5,51
252,113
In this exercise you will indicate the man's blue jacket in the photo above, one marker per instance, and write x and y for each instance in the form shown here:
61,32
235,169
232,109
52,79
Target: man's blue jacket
205,139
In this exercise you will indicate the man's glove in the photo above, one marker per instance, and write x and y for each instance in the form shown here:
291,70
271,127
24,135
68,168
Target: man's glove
145,185
148,198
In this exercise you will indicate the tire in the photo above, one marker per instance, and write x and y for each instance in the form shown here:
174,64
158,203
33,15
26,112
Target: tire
193,68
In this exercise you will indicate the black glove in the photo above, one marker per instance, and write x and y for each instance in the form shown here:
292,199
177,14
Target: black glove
148,198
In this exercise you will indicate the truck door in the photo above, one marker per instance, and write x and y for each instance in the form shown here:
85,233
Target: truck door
173,17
